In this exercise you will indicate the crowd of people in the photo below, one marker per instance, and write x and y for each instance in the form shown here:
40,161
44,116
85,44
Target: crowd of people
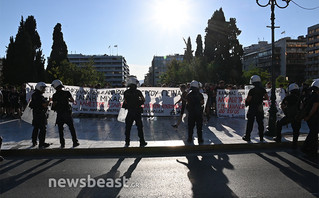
12,101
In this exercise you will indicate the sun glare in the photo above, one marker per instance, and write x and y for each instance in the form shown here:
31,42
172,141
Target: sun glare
171,14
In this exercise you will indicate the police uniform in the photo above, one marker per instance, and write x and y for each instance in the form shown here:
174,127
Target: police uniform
311,143
255,110
291,108
133,99
64,115
39,121
195,113
291,105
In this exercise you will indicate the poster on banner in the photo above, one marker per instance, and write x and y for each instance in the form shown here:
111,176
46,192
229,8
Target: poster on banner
159,101
230,103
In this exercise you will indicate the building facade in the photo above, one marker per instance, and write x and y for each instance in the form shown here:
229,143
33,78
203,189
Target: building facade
312,59
290,58
114,68
159,67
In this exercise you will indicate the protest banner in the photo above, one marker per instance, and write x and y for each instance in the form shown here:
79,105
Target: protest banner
159,101
230,103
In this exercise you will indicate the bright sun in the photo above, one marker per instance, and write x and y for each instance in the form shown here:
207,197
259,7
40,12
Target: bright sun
171,14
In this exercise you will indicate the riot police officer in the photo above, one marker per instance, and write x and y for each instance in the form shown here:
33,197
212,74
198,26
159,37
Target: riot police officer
133,99
255,102
39,104
312,118
291,107
195,107
61,99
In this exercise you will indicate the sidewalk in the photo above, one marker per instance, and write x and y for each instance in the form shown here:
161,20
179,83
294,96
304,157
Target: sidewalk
108,133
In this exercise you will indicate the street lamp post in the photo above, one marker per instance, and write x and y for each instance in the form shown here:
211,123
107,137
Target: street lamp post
273,109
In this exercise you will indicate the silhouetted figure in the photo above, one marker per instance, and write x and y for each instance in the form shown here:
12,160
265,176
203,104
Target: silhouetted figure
312,118
39,104
195,103
183,100
291,107
255,102
133,99
61,99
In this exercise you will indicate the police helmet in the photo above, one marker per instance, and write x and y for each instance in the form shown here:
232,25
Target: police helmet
131,81
40,86
254,79
292,87
315,84
194,83
56,83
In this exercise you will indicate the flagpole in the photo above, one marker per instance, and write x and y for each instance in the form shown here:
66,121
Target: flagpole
117,50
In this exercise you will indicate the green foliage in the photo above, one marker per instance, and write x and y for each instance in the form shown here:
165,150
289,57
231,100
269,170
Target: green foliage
282,80
222,47
264,75
89,75
70,74
309,81
220,60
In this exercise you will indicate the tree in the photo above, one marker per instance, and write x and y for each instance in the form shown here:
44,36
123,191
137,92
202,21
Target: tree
188,54
215,38
281,80
264,75
22,62
59,51
199,49
222,47
70,74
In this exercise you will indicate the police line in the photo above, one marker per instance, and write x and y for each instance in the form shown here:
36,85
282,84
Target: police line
231,103
159,101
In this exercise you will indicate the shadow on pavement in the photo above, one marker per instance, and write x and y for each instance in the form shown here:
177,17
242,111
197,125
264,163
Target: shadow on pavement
207,177
111,189
11,182
303,178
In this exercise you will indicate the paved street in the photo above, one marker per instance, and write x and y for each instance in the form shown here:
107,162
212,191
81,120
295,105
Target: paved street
107,132
218,174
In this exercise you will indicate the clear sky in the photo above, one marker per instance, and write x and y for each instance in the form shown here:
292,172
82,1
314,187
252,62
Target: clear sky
145,28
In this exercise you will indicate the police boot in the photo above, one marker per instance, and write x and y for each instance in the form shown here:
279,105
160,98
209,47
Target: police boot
295,142
246,138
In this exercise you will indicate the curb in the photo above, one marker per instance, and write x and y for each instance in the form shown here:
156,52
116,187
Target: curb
146,151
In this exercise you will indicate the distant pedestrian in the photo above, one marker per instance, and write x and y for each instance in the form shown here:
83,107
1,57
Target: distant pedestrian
312,118
14,99
291,107
195,107
133,99
39,104
255,102
23,97
61,104
183,100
